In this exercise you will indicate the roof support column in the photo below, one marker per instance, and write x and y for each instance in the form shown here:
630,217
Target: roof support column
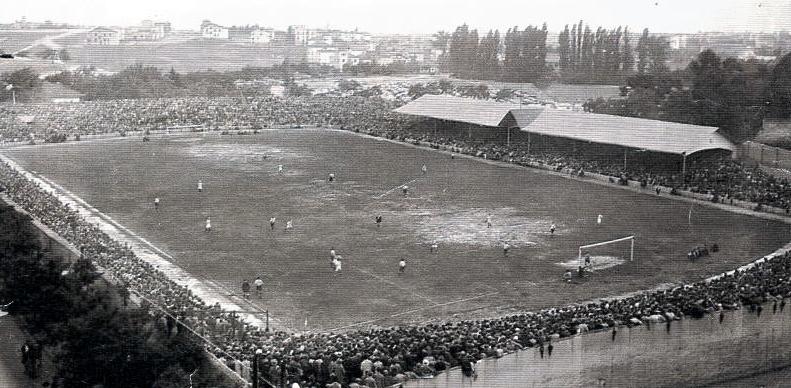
528,143
683,165
625,150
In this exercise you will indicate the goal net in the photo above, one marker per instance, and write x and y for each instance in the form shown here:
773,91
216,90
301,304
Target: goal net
606,253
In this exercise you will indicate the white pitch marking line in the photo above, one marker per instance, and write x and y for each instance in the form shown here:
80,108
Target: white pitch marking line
377,277
186,278
396,188
415,310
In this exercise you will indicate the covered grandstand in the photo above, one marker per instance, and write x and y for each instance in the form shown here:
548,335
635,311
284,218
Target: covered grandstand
659,144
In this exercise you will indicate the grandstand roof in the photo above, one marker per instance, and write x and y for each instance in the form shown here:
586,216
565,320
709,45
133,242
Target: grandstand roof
465,110
652,135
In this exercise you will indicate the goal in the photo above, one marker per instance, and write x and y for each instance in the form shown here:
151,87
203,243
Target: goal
612,244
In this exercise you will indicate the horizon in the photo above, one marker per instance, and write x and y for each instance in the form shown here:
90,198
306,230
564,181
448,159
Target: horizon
669,16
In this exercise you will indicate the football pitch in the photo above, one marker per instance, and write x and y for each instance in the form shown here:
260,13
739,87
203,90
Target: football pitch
468,277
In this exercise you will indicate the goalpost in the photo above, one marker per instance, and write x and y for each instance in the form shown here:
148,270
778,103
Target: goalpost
627,238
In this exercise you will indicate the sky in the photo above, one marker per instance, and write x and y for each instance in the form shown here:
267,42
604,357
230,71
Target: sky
417,16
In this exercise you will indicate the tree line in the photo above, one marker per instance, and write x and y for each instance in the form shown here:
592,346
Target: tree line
82,324
523,58
729,93
584,55
142,81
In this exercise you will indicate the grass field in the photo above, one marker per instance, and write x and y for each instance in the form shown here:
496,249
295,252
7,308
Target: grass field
468,278
13,40
184,56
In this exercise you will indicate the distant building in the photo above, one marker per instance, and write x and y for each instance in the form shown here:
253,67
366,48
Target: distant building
147,31
332,56
262,35
298,35
241,34
104,36
678,42
210,30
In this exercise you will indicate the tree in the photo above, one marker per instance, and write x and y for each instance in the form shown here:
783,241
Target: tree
64,55
440,42
658,52
779,89
564,49
642,52
707,74
458,52
23,82
627,57
512,55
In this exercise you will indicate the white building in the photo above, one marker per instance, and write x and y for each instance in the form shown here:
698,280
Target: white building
262,35
210,30
298,35
104,36
147,31
678,42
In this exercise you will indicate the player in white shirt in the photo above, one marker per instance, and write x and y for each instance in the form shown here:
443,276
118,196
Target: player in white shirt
332,253
331,177
424,169
401,266
405,189
156,203
488,221
599,219
259,285
272,223
506,248
279,168
208,224
337,263
200,186
552,229
289,225
434,247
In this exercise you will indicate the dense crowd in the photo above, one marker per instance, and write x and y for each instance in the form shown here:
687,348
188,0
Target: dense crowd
379,357
39,122
723,178
383,356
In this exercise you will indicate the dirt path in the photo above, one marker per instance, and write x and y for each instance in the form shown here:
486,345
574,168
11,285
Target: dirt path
12,374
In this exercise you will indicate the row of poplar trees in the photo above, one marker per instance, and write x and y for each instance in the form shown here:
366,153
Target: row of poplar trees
585,56
523,57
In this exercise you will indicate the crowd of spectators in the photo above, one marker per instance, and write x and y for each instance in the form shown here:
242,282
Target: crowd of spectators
383,356
722,178
375,357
